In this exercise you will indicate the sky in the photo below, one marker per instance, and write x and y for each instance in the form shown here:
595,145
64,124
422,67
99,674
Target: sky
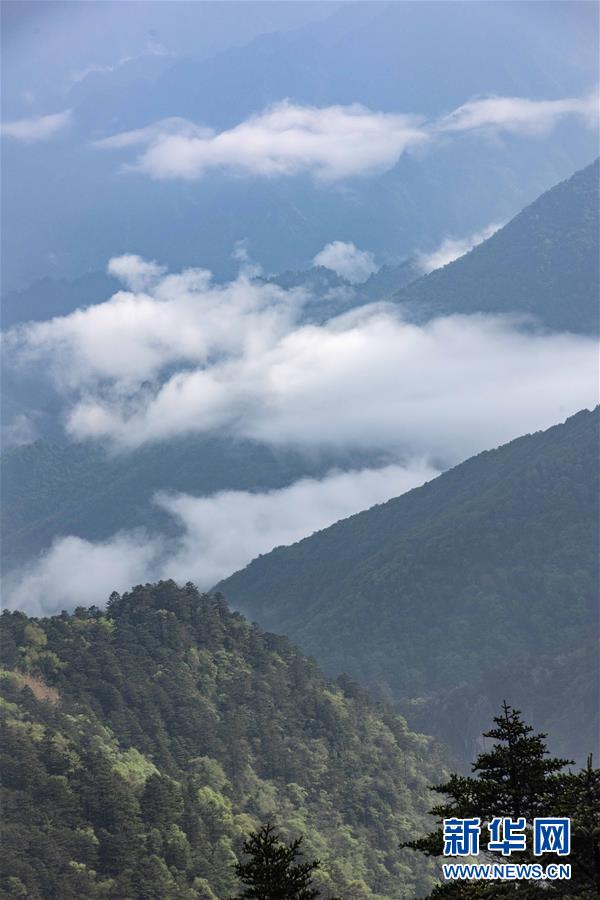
132,146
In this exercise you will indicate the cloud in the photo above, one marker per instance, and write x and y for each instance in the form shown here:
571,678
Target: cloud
218,535
135,272
75,572
171,320
285,139
22,429
347,261
37,128
152,49
451,248
518,114
331,143
185,356
224,532
171,127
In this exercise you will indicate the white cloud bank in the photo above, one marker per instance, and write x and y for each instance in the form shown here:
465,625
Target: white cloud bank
184,356
226,531
37,128
75,572
332,142
452,248
519,114
219,534
347,261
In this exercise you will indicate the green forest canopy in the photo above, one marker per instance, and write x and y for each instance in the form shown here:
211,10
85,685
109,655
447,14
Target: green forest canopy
142,744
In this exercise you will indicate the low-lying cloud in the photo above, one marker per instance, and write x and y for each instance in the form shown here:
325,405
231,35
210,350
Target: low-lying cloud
161,321
187,357
452,248
37,128
519,114
218,535
224,532
75,572
333,142
347,261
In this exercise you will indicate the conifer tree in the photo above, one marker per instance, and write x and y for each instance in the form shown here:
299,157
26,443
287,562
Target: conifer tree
272,871
514,777
518,779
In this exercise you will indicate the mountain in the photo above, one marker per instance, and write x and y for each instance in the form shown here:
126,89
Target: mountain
142,744
480,585
51,297
544,262
51,489
389,279
375,54
332,295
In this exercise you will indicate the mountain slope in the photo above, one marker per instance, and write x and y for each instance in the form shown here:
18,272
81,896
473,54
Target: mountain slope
482,584
544,262
141,746
54,489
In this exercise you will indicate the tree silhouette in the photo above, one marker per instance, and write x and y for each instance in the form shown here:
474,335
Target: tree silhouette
272,871
517,778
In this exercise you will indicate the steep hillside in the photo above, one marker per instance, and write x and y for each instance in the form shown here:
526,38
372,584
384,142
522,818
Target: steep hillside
143,744
480,585
543,262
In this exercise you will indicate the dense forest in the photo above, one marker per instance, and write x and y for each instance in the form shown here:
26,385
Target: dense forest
142,744
543,262
480,583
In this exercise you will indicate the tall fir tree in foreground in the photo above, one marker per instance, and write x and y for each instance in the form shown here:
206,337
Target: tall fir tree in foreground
518,779
273,870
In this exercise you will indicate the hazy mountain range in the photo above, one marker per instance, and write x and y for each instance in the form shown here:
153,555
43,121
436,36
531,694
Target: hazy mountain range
543,263
448,176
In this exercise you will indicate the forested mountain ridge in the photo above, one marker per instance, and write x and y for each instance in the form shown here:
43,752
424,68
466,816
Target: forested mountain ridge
478,585
142,744
544,262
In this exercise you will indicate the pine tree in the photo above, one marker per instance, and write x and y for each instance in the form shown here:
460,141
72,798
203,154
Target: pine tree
515,776
272,871
515,779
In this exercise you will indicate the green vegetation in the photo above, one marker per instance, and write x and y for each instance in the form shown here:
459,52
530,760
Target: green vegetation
481,583
543,262
517,779
142,745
